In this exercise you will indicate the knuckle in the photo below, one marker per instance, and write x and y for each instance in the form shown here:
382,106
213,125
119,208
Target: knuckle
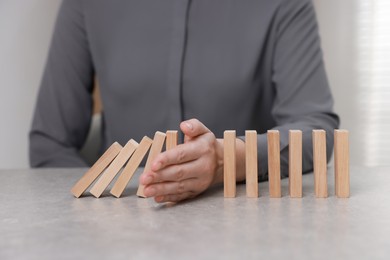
181,155
179,173
180,187
162,158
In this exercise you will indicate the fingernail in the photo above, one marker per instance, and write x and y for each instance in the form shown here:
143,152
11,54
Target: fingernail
150,192
189,125
159,198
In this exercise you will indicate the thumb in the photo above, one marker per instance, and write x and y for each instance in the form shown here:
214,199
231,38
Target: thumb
193,128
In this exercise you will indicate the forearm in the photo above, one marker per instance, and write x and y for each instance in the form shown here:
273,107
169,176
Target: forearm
64,104
46,152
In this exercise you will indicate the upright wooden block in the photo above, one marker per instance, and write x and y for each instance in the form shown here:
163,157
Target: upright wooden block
320,164
229,163
131,167
158,143
171,141
273,140
96,169
251,164
341,159
295,163
103,182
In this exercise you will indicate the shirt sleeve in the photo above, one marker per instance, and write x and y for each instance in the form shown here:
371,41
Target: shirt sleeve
64,105
303,96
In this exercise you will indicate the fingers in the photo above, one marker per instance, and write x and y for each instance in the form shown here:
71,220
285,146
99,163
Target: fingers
170,188
174,173
174,197
193,128
180,154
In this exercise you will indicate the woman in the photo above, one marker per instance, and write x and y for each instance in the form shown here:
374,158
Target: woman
250,64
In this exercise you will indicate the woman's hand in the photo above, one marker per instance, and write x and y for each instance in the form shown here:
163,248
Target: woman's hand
188,169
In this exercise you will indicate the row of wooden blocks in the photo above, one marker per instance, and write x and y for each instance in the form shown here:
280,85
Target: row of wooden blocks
116,157
341,165
130,156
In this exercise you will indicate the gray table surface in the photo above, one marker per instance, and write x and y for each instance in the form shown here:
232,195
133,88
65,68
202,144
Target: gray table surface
40,219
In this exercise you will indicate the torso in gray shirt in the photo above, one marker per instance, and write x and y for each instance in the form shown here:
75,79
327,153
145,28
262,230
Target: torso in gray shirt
248,64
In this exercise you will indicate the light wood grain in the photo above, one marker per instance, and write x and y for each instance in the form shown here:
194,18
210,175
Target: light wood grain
97,168
320,163
131,167
295,163
341,160
114,168
171,140
251,164
229,163
273,140
158,143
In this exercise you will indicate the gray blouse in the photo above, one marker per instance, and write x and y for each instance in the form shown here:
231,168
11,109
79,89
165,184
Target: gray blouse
248,64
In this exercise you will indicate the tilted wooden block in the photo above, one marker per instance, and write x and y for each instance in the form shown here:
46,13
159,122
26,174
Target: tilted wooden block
171,141
320,164
295,163
158,143
251,164
273,140
121,159
229,163
131,167
341,160
99,166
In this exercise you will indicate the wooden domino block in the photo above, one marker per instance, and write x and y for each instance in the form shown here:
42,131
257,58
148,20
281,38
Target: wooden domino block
295,163
99,166
341,160
320,164
229,163
171,141
131,167
251,164
121,159
158,143
273,140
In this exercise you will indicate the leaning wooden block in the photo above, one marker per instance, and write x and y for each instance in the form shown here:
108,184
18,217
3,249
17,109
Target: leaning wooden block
131,167
273,140
96,169
171,142
295,163
229,163
103,182
341,159
320,164
251,164
158,143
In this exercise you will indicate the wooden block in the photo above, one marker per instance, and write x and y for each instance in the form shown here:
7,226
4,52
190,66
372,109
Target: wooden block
96,169
107,177
158,143
251,163
131,167
295,163
171,142
273,140
229,163
341,159
320,164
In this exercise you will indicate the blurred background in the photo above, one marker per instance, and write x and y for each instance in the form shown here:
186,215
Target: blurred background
356,43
